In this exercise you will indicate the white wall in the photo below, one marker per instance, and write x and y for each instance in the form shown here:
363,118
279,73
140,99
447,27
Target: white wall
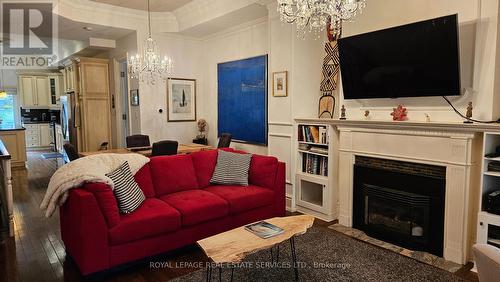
245,41
478,36
188,56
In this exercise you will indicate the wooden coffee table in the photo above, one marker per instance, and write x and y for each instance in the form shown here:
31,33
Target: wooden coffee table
233,246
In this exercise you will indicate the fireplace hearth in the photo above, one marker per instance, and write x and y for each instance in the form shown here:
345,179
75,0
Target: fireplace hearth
400,202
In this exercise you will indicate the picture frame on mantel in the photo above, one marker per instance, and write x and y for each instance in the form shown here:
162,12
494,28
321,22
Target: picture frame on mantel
181,99
134,97
280,84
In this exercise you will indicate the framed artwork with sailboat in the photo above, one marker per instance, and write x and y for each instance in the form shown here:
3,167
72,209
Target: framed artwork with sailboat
181,99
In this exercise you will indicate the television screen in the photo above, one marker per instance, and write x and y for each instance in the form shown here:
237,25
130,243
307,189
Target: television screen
414,60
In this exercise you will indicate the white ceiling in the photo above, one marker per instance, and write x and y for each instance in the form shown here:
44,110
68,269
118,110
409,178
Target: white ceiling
156,5
73,30
249,13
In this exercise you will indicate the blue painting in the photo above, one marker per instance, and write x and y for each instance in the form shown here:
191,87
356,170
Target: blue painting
242,99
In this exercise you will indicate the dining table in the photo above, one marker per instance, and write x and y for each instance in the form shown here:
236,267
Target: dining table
146,151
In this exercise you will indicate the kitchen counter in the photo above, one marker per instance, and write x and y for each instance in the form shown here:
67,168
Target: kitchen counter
15,127
36,122
13,137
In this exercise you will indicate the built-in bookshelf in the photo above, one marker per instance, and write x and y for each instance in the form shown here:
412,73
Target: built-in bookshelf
488,229
315,179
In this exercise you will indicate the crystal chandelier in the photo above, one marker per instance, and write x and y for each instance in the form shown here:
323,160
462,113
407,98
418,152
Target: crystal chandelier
315,15
150,66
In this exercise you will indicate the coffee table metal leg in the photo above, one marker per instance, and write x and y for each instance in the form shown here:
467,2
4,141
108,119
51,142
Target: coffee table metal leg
220,273
272,256
294,258
232,273
209,272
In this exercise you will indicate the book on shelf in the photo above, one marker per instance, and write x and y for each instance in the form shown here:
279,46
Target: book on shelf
264,229
314,164
313,134
319,150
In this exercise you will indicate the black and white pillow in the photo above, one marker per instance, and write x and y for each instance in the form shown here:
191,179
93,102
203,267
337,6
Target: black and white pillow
231,169
127,192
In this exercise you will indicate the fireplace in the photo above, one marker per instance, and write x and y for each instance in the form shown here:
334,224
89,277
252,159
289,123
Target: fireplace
400,202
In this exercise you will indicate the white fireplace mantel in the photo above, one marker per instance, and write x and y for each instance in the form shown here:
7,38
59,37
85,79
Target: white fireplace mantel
456,146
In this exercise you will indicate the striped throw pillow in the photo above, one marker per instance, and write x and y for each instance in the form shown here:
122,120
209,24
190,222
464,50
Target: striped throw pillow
231,169
127,192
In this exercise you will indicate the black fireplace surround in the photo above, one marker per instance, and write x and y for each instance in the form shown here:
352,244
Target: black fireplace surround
400,202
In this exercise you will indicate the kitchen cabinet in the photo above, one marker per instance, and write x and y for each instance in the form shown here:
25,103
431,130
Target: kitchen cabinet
42,90
38,135
70,76
14,142
90,79
55,89
45,138
39,90
27,88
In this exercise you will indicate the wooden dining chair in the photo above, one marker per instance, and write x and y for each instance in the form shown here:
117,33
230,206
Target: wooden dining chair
164,148
71,152
137,140
225,140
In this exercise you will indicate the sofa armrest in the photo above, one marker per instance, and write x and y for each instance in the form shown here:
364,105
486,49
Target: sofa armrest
280,190
487,259
84,231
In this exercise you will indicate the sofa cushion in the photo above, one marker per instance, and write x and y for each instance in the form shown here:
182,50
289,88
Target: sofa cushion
128,194
152,218
173,174
263,171
143,178
231,169
242,198
204,165
106,200
197,206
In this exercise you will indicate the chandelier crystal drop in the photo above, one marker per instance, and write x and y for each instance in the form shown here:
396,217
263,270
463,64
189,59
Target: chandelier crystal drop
314,15
150,66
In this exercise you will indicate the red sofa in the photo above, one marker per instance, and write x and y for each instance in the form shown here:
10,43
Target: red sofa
181,208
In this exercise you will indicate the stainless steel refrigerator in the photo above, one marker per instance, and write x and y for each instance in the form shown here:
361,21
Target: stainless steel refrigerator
70,119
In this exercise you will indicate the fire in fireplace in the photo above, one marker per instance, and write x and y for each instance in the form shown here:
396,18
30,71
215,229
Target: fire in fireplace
400,202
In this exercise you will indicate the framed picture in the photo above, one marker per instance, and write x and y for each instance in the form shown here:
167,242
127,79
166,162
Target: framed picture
134,97
181,99
280,84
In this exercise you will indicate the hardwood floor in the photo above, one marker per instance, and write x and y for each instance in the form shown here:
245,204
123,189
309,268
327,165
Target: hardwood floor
37,252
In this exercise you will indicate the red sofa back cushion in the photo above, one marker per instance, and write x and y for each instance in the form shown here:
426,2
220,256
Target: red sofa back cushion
143,178
263,171
204,164
173,174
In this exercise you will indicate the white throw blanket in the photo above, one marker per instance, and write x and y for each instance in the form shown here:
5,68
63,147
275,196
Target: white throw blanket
84,170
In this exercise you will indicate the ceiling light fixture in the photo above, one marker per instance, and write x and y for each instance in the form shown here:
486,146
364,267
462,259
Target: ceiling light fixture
315,15
150,66
88,28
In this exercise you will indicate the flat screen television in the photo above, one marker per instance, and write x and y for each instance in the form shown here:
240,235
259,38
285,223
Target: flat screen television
414,60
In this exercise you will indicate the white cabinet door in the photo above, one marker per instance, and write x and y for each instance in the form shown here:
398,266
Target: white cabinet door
45,139
42,90
28,91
